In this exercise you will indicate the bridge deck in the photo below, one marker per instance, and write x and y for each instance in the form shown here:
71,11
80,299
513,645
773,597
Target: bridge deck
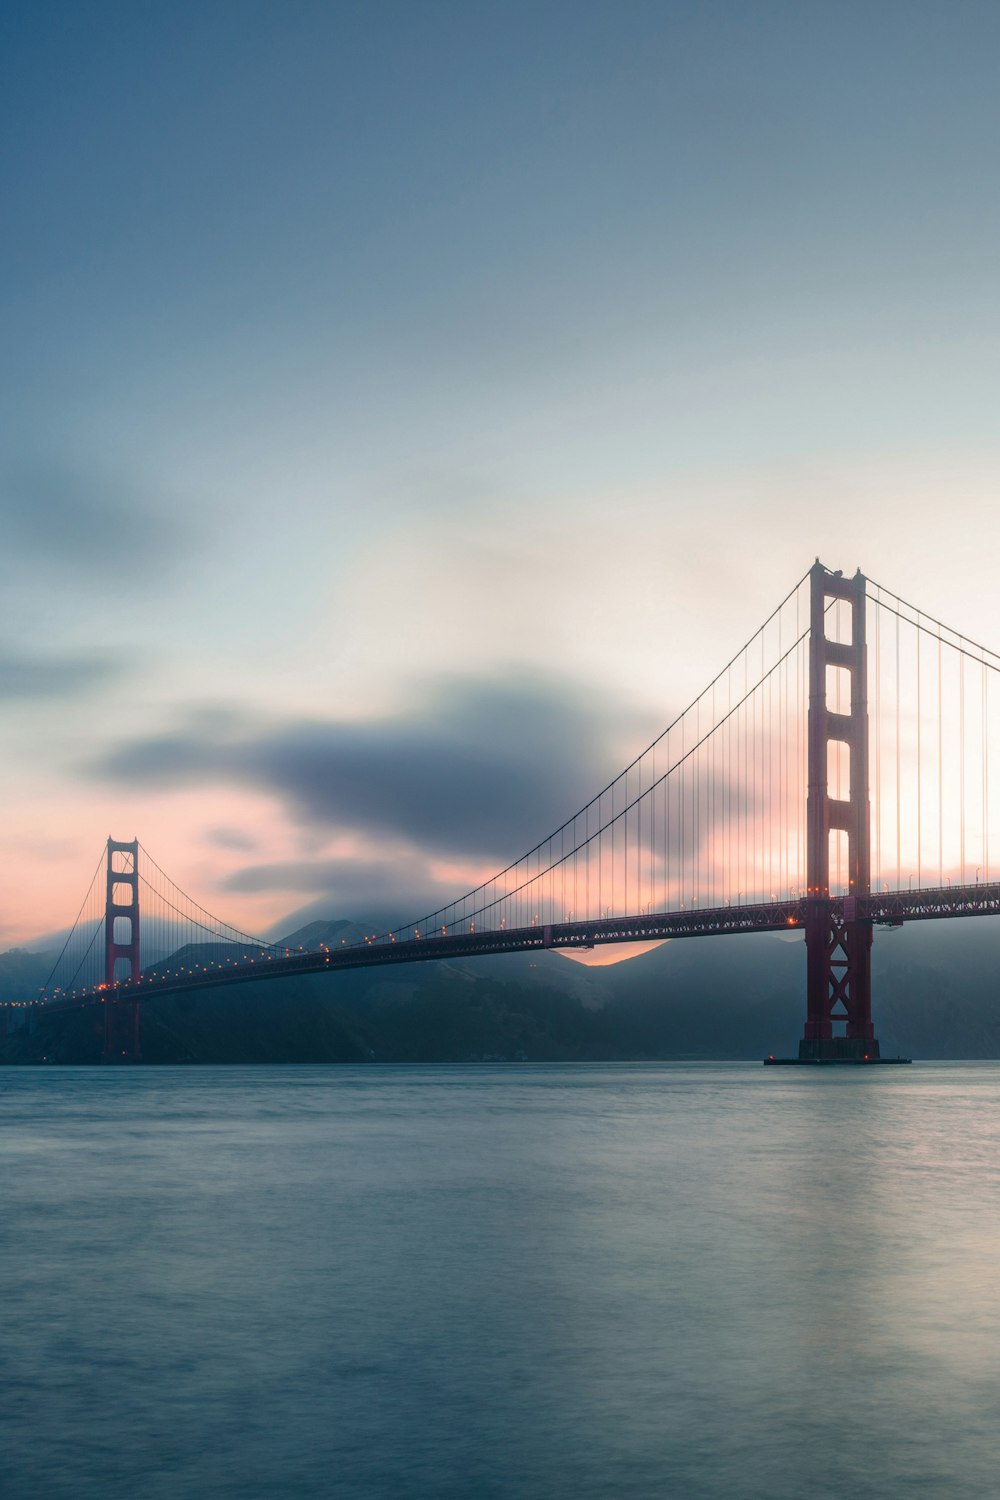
772,916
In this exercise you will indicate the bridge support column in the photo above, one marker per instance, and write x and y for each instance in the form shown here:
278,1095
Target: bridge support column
121,941
838,943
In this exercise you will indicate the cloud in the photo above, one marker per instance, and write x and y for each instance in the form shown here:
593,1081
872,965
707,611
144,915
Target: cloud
230,838
31,677
481,768
381,891
72,518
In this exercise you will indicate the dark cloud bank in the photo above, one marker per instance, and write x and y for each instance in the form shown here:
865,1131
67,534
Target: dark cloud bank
480,769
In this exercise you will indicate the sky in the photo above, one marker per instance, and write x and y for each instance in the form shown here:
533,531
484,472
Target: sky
408,407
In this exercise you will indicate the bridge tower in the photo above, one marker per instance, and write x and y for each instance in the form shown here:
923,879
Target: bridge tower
121,1017
838,942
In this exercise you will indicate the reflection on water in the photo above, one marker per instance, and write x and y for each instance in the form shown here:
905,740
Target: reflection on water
692,1281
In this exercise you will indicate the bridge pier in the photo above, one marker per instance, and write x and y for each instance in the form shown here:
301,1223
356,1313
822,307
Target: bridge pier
121,1032
838,974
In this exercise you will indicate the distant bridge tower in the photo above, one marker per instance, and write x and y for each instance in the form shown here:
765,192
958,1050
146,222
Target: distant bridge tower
838,950
121,941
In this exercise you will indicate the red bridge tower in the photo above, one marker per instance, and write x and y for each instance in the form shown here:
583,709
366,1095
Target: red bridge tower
121,941
838,942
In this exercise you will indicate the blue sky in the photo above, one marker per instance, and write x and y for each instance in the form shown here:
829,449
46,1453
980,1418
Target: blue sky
365,365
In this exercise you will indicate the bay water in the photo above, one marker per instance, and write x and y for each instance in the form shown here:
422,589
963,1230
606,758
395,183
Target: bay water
514,1282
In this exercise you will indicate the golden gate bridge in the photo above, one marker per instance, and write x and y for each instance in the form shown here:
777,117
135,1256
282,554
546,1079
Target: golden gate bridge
835,775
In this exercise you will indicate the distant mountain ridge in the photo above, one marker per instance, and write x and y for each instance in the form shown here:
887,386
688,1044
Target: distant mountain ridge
328,934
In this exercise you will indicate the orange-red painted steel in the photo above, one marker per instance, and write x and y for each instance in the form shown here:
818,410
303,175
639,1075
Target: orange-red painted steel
121,1015
838,942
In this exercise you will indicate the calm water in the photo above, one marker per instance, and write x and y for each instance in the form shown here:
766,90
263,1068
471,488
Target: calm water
540,1282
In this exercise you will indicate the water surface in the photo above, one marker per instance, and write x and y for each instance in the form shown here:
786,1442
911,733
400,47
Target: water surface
698,1281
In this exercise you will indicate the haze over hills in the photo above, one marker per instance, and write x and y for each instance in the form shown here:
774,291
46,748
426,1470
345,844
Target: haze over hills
936,989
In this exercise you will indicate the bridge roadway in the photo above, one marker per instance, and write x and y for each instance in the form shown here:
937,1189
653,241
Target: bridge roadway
888,908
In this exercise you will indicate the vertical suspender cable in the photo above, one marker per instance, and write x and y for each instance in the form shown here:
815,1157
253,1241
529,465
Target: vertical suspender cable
961,766
920,846
878,747
940,771
986,777
899,861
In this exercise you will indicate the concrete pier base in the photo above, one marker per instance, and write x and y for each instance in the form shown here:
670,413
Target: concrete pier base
832,1062
836,1051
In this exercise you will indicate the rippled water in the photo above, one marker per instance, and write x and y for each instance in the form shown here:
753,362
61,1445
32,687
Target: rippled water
692,1281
